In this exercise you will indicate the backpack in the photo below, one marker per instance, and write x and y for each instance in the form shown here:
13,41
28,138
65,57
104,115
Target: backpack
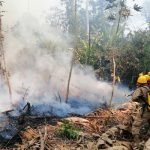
147,103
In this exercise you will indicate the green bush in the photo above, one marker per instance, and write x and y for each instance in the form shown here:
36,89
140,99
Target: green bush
68,130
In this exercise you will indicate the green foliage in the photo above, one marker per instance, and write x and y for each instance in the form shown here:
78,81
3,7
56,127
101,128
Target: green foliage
88,55
133,56
68,130
106,39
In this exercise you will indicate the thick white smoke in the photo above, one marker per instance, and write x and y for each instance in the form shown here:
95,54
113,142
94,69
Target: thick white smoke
38,59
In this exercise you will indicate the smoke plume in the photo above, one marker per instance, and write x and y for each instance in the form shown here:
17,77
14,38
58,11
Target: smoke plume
38,59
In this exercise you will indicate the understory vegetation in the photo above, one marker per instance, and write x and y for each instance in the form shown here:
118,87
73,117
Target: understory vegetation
68,130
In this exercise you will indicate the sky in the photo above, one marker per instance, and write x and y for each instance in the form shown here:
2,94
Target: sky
136,20
38,8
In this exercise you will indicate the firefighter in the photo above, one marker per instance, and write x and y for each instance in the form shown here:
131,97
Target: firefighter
142,116
141,74
147,76
148,80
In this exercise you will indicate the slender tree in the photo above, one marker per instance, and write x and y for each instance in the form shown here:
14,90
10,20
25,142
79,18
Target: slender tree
74,50
3,68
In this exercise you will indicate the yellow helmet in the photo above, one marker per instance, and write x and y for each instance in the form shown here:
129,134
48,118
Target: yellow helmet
147,76
141,74
142,80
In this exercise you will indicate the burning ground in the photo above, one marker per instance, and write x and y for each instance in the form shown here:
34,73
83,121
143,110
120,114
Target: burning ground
102,129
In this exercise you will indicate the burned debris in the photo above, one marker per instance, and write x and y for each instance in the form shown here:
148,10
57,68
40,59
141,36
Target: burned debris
101,129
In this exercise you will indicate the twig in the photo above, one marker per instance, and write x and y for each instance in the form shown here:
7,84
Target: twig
25,93
45,134
42,145
59,97
97,116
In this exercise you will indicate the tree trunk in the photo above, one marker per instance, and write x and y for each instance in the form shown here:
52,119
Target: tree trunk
74,50
3,68
114,80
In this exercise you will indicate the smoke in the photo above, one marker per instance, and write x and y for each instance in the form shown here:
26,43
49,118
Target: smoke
38,59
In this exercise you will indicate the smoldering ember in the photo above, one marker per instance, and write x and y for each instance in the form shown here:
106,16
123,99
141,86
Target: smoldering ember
74,75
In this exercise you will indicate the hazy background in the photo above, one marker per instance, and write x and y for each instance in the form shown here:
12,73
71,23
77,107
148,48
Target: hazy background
38,8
